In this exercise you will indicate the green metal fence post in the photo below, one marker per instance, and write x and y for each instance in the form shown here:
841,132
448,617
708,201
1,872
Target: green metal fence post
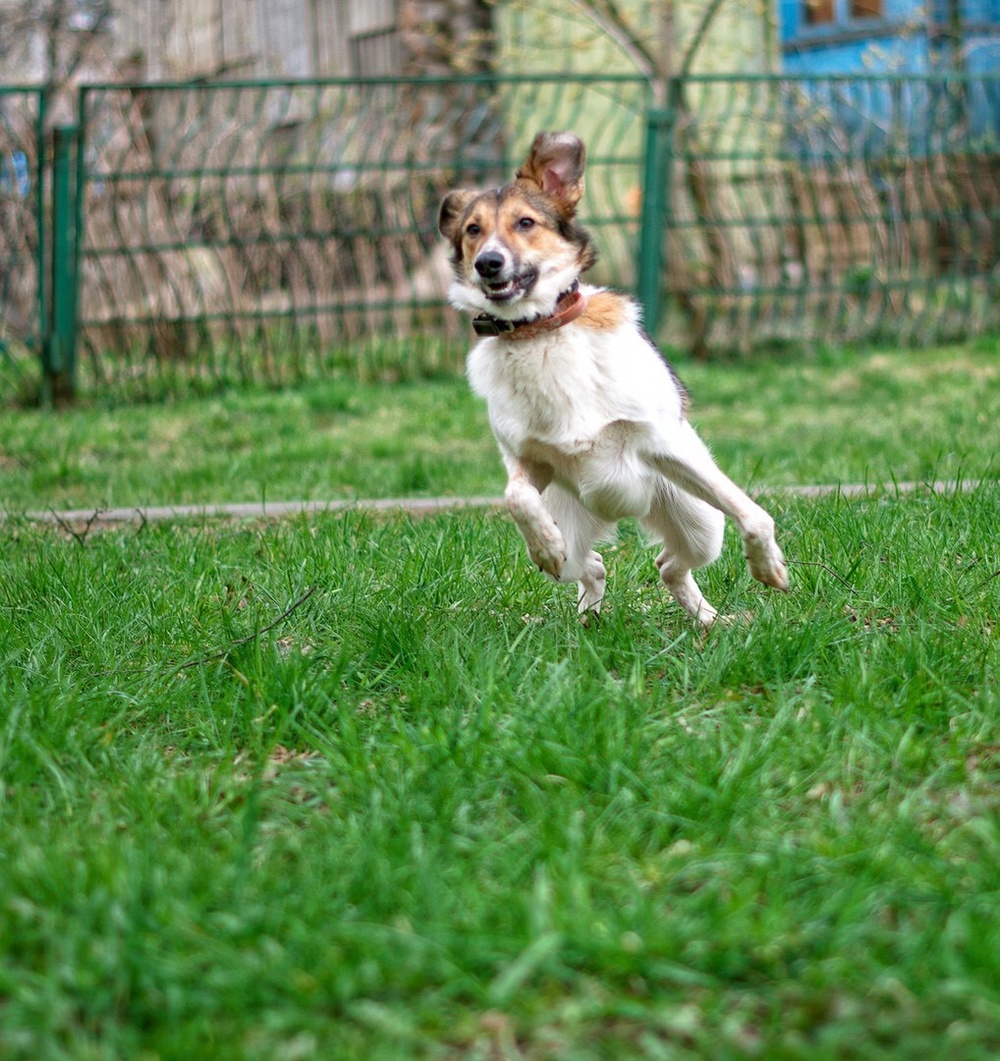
655,197
59,348
41,325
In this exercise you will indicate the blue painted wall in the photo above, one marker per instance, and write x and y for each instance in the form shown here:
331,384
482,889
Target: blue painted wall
898,42
875,118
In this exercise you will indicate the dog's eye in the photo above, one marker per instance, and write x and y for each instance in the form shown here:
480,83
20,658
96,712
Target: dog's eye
472,230
525,223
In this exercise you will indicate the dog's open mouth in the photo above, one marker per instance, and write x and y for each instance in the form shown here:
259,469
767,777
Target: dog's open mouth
505,290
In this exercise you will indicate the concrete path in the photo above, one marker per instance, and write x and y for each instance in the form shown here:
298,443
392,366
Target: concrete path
421,506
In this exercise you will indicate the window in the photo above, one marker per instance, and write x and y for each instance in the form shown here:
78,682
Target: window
818,12
839,13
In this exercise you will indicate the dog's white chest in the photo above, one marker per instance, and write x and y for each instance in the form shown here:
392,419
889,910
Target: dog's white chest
538,391
564,390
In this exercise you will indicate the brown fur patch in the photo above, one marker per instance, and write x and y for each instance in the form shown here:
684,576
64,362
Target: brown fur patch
605,311
555,166
526,221
542,239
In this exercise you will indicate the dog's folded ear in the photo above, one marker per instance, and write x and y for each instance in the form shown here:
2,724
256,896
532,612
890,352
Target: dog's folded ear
452,210
555,166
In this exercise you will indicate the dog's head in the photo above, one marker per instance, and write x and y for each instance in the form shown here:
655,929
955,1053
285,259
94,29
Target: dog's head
517,248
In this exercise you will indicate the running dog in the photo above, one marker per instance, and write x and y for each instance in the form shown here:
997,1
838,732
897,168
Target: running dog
590,419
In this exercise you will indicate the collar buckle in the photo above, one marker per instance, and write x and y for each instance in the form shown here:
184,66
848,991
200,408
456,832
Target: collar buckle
492,326
570,305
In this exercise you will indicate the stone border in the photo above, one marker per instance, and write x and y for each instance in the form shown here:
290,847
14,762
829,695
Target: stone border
422,506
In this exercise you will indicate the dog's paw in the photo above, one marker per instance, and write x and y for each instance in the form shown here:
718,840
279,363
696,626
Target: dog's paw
767,565
547,550
591,582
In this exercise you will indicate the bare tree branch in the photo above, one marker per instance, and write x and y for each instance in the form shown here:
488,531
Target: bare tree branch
87,38
607,17
707,18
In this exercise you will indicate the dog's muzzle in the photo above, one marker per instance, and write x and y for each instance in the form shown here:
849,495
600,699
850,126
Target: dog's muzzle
489,264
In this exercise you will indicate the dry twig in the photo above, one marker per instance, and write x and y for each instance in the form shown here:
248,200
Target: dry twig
79,536
222,653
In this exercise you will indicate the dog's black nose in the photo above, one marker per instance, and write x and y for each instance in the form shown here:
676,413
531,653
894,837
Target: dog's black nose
489,264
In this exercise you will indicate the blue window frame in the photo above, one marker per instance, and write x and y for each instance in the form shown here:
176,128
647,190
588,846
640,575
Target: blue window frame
805,22
816,23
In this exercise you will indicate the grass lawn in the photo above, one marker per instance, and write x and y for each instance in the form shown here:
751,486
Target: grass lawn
359,787
836,418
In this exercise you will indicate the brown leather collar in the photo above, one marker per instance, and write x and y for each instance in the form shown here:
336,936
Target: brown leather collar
570,305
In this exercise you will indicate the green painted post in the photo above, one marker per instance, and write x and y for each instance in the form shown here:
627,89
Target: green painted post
60,359
655,196
42,234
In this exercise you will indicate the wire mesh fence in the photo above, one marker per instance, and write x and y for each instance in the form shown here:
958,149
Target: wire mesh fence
270,230
22,115
264,230
831,209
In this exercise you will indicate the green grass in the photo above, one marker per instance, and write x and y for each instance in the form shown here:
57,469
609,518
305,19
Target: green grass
359,787
837,418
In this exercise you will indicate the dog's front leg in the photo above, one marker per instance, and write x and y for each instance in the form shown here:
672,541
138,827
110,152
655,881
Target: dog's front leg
523,496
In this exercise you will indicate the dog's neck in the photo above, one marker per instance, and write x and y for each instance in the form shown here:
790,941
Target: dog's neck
569,306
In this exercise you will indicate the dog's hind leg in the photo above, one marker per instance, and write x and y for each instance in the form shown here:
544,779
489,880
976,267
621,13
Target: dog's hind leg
580,530
691,532
684,460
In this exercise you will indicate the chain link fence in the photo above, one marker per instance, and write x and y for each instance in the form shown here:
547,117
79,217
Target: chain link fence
203,234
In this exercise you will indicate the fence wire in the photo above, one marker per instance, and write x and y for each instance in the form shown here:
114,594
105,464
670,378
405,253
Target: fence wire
270,230
22,114
265,230
833,209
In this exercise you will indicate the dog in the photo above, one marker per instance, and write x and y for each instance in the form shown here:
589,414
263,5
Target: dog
590,418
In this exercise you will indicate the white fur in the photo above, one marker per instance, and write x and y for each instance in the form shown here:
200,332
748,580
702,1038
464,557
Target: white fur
589,418
591,427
